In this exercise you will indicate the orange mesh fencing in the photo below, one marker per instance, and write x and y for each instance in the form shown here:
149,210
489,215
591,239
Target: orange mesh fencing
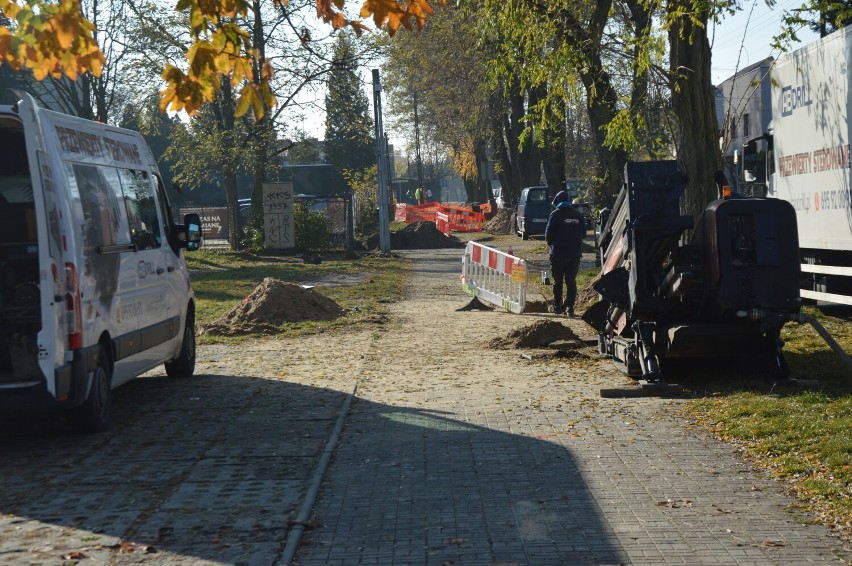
457,218
409,213
463,218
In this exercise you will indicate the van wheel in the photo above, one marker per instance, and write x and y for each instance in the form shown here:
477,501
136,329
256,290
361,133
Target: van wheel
184,364
93,415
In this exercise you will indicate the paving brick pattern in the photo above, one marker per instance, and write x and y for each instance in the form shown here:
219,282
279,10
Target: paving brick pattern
460,455
452,454
207,470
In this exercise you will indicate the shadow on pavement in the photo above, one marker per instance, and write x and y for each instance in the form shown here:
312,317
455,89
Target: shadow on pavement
411,486
215,467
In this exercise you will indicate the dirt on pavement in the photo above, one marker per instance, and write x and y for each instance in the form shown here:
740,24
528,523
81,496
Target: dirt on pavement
539,334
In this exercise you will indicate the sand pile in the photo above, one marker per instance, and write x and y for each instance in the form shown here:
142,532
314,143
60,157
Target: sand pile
502,223
540,334
272,303
421,235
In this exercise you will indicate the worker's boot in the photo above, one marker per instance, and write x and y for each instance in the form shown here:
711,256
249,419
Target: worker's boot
570,312
556,307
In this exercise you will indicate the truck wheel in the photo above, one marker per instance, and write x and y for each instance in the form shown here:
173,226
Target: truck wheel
184,364
93,415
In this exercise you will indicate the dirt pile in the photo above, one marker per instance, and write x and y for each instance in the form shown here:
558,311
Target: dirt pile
272,303
475,305
540,334
587,297
421,235
502,222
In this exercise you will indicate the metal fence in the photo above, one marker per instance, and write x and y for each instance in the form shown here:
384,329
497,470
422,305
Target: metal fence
215,220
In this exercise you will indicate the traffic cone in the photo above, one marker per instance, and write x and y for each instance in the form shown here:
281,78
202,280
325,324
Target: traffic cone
509,251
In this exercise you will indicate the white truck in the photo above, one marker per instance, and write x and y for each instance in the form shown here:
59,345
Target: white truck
94,290
807,158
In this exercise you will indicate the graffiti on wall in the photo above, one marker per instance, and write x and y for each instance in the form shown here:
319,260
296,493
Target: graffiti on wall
278,216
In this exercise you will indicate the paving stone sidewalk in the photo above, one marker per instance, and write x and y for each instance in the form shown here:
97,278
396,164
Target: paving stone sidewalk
455,454
207,470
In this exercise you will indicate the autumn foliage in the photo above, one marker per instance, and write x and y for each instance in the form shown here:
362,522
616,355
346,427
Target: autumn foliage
49,39
55,39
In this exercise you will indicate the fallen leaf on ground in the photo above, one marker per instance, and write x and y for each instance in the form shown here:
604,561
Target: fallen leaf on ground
769,544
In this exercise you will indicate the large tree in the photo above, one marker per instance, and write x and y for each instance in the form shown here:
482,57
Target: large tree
349,139
475,119
55,39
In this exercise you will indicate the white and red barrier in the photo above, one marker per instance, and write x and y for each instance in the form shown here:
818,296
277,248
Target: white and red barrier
442,223
495,277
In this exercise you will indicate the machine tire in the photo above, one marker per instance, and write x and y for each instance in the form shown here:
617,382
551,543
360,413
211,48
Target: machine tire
184,364
94,414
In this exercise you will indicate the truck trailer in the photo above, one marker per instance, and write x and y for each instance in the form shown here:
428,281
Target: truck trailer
804,159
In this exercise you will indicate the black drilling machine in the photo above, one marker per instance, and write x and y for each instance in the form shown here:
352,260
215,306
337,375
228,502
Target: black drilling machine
673,288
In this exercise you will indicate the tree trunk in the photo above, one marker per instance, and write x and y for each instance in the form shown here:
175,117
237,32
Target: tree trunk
601,104
553,146
224,112
693,105
262,127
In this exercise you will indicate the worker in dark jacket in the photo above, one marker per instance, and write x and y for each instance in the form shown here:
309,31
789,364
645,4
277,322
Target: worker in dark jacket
565,230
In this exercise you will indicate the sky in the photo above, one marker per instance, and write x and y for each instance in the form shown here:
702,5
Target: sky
749,37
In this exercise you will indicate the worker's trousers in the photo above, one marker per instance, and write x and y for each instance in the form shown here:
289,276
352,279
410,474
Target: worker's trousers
564,269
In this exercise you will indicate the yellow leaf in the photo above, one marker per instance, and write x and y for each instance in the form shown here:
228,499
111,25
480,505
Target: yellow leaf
66,30
249,100
201,57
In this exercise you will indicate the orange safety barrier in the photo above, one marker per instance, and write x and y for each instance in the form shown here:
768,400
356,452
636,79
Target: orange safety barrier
463,218
442,222
409,213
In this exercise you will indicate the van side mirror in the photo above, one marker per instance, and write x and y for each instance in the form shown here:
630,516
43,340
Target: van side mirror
192,232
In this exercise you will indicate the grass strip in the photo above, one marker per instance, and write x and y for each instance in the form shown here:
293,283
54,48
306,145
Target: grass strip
363,286
801,435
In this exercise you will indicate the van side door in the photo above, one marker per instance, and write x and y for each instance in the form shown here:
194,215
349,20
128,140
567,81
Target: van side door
156,268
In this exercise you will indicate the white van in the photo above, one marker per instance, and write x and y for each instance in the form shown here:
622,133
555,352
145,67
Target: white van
94,290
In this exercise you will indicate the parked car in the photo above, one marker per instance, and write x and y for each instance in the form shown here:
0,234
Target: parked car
576,187
586,210
533,211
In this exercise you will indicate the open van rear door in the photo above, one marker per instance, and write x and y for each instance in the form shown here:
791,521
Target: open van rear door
49,222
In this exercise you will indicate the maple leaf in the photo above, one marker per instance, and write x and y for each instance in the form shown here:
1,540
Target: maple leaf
66,28
419,10
201,57
249,100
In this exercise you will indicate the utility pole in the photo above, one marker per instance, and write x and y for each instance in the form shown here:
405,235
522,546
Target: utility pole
382,165
417,145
